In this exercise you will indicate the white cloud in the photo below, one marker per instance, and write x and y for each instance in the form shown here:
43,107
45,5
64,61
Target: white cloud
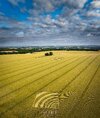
20,34
81,3
68,6
93,13
96,4
67,24
77,3
89,34
15,2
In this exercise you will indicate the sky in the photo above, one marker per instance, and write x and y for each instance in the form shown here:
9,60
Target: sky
49,22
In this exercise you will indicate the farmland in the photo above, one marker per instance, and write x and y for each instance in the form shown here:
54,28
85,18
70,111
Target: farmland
75,74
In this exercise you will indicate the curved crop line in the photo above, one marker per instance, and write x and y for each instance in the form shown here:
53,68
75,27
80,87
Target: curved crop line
39,95
77,75
42,97
37,90
85,90
42,102
25,66
38,78
53,101
32,73
51,105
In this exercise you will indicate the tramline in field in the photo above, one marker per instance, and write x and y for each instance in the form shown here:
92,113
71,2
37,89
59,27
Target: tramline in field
70,76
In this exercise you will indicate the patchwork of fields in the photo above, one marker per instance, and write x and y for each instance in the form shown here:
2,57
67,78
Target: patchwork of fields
73,74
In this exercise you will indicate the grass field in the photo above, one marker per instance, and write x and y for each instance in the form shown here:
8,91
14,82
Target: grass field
75,74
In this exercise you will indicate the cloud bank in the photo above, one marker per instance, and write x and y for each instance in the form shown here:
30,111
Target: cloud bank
50,22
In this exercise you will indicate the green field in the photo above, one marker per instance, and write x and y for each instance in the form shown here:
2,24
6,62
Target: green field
74,74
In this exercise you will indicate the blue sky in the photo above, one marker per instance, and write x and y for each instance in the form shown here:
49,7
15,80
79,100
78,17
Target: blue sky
49,22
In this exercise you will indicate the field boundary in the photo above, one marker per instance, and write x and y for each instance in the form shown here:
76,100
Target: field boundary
23,100
32,73
85,90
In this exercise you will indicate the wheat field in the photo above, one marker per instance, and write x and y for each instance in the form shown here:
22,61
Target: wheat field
72,74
